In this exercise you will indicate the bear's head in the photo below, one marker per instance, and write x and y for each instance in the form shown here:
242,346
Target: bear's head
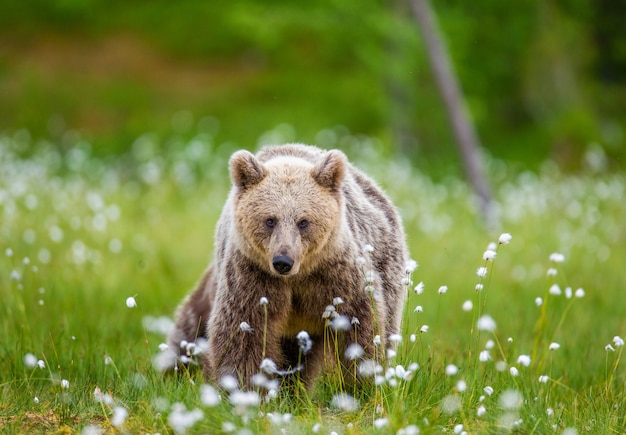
287,209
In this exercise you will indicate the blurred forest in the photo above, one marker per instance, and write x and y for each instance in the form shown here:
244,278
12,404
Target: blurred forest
543,79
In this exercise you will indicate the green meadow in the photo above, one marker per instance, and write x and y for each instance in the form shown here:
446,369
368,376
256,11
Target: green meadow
521,336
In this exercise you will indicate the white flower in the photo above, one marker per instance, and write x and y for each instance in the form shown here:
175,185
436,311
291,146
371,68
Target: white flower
180,419
549,412
65,384
488,390
424,328
340,323
555,290
245,399
478,287
554,346
263,301
337,301
413,338
379,423
354,351
489,255
451,370
345,402
131,302
481,411
511,399
557,258
538,301
468,305
419,289
580,293
618,341
377,341
328,311
442,289
163,347
514,372
391,353
609,347
304,342
486,323
410,266
119,416
41,364
36,399
461,386
107,360
316,427
245,327
268,366
458,429
504,238
355,321
209,395
544,379
523,360
395,338
418,309
30,360
551,272
481,272
484,356
490,344
568,292
369,367
229,383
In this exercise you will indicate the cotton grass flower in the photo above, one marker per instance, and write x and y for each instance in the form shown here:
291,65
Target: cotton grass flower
486,323
468,305
544,379
181,420
263,301
511,400
538,301
504,239
481,411
345,402
229,383
524,360
484,356
479,287
618,341
489,255
354,351
451,370
65,384
119,416
305,344
209,396
418,309
131,302
30,360
481,272
419,288
443,289
245,327
461,386
557,258
379,423
608,347
410,266
555,290
554,346
424,329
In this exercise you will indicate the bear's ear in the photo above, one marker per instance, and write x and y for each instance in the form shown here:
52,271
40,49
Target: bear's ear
331,171
245,169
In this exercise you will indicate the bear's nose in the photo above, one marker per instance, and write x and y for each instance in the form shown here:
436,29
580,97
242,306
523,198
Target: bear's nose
282,264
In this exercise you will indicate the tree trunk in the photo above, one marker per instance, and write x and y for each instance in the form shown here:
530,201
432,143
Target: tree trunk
464,131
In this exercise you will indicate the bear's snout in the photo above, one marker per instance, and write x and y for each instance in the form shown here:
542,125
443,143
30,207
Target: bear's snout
282,264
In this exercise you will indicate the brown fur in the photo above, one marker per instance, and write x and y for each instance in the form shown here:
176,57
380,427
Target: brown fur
345,210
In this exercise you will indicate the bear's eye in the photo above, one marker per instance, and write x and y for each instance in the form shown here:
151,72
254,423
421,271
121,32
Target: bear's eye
303,224
270,222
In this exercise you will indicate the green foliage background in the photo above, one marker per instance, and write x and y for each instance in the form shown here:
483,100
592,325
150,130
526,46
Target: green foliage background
542,78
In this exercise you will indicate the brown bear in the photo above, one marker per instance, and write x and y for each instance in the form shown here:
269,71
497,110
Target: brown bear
305,242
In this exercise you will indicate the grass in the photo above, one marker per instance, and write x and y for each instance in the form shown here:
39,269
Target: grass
79,235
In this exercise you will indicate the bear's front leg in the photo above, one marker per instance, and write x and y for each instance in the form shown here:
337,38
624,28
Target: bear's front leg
242,334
